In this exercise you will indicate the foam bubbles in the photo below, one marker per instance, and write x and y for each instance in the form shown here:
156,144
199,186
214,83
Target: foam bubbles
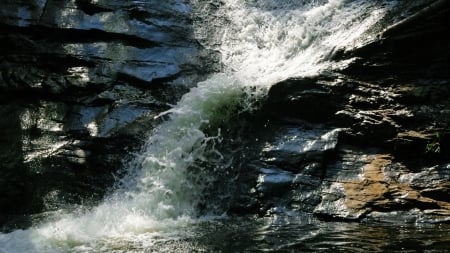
268,41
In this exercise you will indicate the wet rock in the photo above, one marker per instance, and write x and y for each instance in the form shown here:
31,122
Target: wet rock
12,170
296,97
375,166
77,78
273,181
381,186
69,46
297,146
304,195
369,142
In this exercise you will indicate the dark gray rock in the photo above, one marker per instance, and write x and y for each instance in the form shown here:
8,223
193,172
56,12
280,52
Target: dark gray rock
386,117
273,181
80,84
297,146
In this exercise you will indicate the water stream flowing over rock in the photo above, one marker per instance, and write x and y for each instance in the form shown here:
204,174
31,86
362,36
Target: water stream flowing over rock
129,126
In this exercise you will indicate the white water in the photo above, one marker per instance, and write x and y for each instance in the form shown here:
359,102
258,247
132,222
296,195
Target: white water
266,41
261,42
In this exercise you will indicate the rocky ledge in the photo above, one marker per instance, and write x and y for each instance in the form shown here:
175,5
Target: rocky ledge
80,83
369,142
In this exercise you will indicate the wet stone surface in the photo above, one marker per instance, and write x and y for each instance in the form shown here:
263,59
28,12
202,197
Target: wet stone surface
367,143
80,84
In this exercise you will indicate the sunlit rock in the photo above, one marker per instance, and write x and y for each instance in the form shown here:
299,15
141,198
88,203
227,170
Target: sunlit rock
80,76
384,186
296,146
272,181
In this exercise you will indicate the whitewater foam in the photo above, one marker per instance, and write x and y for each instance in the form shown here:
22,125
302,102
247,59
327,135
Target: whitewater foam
264,42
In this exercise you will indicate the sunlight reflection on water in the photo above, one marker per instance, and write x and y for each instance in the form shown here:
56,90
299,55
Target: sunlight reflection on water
297,234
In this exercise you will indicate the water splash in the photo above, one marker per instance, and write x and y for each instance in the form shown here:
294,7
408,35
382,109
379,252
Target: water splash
162,194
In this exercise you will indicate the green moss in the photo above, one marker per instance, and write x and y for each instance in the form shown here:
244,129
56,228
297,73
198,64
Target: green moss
434,146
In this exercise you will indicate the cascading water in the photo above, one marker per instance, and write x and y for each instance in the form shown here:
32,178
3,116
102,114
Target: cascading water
261,42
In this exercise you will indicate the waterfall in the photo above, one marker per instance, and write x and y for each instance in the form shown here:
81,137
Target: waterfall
261,42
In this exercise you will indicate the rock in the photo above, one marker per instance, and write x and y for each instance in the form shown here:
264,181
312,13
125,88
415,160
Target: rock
304,192
413,20
378,189
13,173
303,94
390,155
79,77
273,181
297,146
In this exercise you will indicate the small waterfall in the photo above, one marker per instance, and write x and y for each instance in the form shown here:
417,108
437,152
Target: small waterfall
261,42
265,41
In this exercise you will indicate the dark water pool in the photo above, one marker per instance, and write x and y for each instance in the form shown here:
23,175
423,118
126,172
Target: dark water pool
276,233
293,234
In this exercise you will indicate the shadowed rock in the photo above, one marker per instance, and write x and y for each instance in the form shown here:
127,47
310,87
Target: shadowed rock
81,81
389,110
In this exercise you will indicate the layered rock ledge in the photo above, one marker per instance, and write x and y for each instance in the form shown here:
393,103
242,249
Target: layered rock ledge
369,142
80,83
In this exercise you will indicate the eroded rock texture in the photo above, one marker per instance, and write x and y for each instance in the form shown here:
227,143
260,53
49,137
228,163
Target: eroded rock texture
80,83
369,142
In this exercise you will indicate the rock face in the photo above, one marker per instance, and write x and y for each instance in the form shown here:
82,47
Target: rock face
77,78
369,142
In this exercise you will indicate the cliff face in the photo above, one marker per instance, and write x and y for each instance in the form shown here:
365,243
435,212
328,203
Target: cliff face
81,82
372,141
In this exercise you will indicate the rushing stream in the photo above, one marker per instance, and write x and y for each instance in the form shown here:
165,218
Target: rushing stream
155,208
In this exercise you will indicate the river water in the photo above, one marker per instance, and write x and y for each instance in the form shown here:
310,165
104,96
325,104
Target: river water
155,208
294,234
